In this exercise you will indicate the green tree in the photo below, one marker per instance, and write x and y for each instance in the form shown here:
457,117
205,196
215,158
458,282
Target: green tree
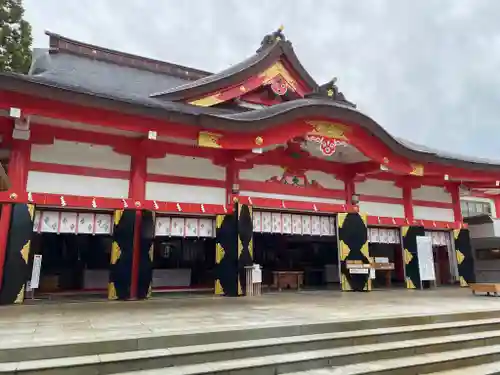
15,37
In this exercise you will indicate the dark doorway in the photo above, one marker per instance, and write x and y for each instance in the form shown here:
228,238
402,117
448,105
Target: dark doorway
315,256
392,255
73,263
183,264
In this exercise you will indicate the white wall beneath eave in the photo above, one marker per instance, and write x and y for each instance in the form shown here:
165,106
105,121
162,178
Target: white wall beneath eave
256,194
379,188
328,181
433,213
53,183
261,173
186,166
382,209
80,154
185,193
431,193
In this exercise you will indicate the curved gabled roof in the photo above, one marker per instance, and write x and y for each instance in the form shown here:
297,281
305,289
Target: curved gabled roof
235,74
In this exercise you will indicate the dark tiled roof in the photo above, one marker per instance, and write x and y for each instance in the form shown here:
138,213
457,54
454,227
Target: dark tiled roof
60,43
100,76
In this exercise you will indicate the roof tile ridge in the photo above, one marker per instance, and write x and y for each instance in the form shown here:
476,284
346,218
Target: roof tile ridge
64,44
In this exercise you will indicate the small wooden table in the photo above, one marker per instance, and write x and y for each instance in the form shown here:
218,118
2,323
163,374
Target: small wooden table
288,280
387,268
487,288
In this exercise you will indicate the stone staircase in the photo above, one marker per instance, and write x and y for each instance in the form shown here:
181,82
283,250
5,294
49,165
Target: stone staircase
438,344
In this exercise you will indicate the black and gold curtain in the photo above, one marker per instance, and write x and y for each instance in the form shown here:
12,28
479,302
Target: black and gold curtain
120,273
353,249
226,254
410,255
245,244
145,279
16,267
465,257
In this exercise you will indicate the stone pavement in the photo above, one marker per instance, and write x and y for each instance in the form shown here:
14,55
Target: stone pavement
59,323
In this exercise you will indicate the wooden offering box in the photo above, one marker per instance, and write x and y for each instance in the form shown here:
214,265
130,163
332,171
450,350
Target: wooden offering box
288,280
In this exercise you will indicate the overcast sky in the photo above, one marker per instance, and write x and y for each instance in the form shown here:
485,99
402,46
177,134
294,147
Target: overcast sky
426,70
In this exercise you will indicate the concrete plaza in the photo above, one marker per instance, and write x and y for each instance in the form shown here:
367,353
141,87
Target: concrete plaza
65,322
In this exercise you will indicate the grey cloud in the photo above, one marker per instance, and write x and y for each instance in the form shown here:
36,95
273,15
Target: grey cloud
426,70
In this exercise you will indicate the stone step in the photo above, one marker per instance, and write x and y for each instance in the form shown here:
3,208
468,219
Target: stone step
492,368
179,360
453,323
455,362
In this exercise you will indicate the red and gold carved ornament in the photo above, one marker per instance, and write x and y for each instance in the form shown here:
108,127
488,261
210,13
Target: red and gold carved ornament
208,139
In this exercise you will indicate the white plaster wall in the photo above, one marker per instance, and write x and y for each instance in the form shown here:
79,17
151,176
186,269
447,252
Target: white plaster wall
184,193
433,213
256,194
382,209
431,193
379,188
261,173
482,199
328,181
53,183
80,154
186,166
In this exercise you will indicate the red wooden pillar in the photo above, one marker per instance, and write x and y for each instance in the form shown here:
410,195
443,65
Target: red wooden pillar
18,176
137,192
454,190
496,200
349,191
408,203
232,183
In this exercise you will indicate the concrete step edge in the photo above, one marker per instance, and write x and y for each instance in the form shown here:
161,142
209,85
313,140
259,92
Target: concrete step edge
480,324
228,365
492,368
293,329
407,363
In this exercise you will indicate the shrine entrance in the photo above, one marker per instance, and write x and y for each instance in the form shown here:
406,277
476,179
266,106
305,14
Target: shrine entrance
296,251
386,254
445,260
183,254
75,250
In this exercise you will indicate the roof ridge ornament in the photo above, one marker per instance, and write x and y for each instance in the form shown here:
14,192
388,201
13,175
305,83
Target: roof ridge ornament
330,90
272,38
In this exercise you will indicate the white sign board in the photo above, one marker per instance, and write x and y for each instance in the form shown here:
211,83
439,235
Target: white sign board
359,271
425,258
35,273
256,274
